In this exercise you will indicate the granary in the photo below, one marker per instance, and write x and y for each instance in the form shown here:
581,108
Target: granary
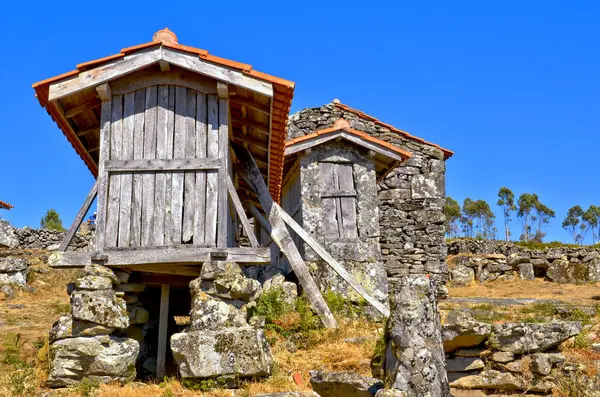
193,155
5,206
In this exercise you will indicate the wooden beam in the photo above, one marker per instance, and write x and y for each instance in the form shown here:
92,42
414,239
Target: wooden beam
164,66
222,90
93,149
163,322
151,165
79,218
281,236
193,271
227,75
176,255
259,107
338,193
88,131
258,144
102,74
241,213
256,126
335,265
105,117
104,92
70,113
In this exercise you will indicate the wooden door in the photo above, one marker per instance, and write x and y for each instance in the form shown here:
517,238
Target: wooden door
338,197
167,148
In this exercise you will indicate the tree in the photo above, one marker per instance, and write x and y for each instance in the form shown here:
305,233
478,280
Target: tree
574,218
506,200
479,218
592,217
525,205
52,221
543,215
452,212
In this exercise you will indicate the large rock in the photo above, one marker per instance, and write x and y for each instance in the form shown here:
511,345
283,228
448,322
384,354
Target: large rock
93,283
462,275
542,363
8,237
66,327
101,307
100,358
563,271
100,271
462,330
526,271
504,381
13,271
522,338
208,313
240,352
594,270
414,360
344,384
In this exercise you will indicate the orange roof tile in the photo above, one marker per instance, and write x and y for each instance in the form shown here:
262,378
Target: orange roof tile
283,93
447,153
4,204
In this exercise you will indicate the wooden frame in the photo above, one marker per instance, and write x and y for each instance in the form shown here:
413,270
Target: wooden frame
79,218
152,165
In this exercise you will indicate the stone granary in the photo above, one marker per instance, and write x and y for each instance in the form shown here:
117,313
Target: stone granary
192,154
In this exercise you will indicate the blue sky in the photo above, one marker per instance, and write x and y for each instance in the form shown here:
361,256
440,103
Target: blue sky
512,87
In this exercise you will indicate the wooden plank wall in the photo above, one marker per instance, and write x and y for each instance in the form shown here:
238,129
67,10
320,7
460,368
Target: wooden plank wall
339,200
151,208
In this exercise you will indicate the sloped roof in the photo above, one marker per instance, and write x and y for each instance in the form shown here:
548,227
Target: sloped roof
5,205
283,91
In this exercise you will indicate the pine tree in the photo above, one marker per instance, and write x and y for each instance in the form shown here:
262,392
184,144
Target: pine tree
52,221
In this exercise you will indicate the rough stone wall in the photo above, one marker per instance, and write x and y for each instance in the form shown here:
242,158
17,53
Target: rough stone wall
46,238
362,255
411,197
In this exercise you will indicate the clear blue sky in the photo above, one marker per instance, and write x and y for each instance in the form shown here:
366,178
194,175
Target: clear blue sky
512,87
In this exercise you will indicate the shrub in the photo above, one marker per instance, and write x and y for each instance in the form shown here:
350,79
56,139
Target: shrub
271,305
86,387
52,221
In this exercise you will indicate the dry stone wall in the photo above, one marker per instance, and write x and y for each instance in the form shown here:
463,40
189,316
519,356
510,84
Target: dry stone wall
28,238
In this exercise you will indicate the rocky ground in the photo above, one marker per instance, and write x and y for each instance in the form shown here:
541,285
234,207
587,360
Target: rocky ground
299,346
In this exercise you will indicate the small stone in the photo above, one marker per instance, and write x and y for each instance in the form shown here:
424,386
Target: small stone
16,306
102,307
13,265
462,275
122,276
542,363
464,364
391,393
92,283
214,269
461,330
526,271
138,315
468,353
503,357
290,346
101,271
8,291
343,384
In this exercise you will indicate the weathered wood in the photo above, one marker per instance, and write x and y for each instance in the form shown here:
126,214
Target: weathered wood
189,196
327,179
222,90
101,74
335,265
158,233
259,107
200,189
88,131
175,255
163,165
338,193
151,78
164,66
348,203
169,177
79,218
126,179
138,153
281,236
116,145
163,322
241,213
149,179
223,202
248,122
104,92
105,117
182,270
70,113
212,150
195,64
178,153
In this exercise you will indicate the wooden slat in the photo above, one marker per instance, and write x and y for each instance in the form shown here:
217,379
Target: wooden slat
338,202
193,271
162,131
152,78
105,117
259,107
200,188
248,122
138,153
79,218
104,92
178,153
116,145
163,165
212,150
82,108
126,179
88,131
348,202
335,265
223,202
149,179
282,238
169,176
176,255
241,213
163,322
338,193
189,196
326,179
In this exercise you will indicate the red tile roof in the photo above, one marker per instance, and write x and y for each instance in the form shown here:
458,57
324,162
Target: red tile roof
447,153
283,92
4,204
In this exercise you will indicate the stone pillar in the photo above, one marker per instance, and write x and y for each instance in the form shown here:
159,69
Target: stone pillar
414,360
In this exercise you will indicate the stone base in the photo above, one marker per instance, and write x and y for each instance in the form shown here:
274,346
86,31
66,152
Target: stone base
242,352
101,358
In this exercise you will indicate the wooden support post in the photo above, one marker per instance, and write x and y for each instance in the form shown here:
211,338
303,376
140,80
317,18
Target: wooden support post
79,218
163,322
241,214
105,132
281,236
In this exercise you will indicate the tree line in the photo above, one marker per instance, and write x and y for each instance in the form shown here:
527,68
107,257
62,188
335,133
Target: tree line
475,219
